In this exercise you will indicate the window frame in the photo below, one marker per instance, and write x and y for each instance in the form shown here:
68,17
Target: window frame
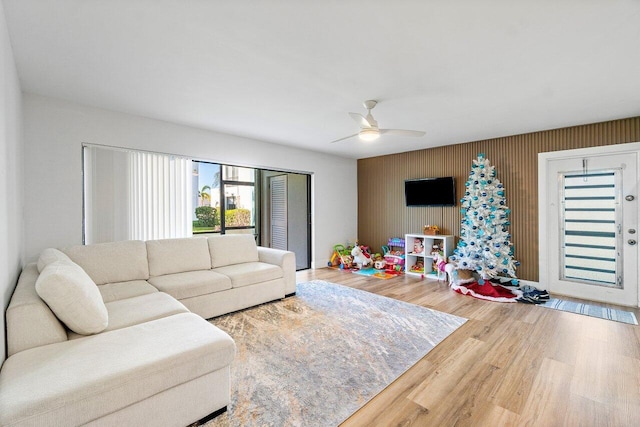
222,198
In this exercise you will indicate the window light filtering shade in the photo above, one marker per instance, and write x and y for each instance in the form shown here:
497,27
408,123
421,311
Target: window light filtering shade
159,196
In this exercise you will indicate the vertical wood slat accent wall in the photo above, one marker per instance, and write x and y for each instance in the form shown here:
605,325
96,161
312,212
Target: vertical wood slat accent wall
381,206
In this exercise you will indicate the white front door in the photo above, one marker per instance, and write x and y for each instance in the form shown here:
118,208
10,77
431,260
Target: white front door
589,211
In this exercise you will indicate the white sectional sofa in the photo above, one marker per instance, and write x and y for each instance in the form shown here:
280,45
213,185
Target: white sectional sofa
114,334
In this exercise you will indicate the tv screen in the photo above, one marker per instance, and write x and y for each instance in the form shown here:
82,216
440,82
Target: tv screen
430,191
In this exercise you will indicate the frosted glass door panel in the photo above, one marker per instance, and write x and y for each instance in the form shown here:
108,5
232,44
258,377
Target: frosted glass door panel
590,224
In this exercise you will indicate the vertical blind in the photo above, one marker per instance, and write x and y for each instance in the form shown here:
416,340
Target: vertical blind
160,196
135,195
106,195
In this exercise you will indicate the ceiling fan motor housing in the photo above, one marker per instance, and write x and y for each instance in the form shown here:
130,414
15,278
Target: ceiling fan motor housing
370,104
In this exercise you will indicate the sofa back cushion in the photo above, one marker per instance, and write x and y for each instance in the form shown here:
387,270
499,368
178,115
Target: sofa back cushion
50,255
232,249
73,297
170,256
112,262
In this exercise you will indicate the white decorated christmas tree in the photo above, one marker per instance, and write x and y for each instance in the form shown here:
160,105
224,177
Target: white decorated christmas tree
485,245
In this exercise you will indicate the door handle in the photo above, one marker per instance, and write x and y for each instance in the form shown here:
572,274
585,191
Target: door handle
631,231
631,242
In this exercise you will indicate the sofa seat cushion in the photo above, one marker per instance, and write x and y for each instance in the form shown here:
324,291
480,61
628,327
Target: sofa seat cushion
191,283
73,297
250,273
169,256
144,308
77,381
123,290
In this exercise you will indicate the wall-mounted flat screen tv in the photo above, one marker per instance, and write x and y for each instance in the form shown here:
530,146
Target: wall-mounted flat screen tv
430,191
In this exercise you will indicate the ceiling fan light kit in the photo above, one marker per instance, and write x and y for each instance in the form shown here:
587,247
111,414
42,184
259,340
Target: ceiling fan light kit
369,134
369,130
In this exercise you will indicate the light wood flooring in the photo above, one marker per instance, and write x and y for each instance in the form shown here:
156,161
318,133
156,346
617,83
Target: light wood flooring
510,364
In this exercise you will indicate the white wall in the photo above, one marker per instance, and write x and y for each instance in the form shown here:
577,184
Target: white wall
55,131
11,225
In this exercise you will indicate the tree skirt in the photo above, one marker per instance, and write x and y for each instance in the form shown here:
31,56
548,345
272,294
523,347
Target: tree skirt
487,291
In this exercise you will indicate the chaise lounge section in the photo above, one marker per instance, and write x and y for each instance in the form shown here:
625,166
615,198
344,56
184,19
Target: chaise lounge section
114,333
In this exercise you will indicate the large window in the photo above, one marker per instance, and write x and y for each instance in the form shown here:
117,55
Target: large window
132,194
224,198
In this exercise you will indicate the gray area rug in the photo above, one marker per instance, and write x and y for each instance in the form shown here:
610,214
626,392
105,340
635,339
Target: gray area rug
592,310
315,358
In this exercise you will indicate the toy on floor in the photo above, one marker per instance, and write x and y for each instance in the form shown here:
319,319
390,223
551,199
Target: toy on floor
378,262
340,258
361,257
394,255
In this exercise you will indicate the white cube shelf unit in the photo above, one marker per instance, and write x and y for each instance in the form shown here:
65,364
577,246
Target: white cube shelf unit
418,248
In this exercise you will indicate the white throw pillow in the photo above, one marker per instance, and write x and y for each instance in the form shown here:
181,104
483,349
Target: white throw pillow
73,297
50,255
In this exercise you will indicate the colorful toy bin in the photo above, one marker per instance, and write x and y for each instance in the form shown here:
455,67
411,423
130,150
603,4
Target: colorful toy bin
394,254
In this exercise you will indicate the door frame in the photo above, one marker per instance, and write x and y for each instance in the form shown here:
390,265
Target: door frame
265,216
543,198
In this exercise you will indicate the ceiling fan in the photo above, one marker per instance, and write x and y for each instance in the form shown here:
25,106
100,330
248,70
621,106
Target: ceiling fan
369,130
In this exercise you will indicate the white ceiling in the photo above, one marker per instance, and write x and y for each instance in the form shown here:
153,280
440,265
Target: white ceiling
288,71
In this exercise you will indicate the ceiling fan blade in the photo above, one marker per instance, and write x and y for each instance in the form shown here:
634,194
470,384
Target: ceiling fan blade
360,119
346,137
402,132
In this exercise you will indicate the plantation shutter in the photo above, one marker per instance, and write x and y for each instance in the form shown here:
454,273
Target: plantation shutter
279,237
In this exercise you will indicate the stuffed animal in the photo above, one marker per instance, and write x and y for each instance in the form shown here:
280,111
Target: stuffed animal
436,250
418,246
360,258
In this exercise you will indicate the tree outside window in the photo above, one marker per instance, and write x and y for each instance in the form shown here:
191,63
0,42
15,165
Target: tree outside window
206,197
